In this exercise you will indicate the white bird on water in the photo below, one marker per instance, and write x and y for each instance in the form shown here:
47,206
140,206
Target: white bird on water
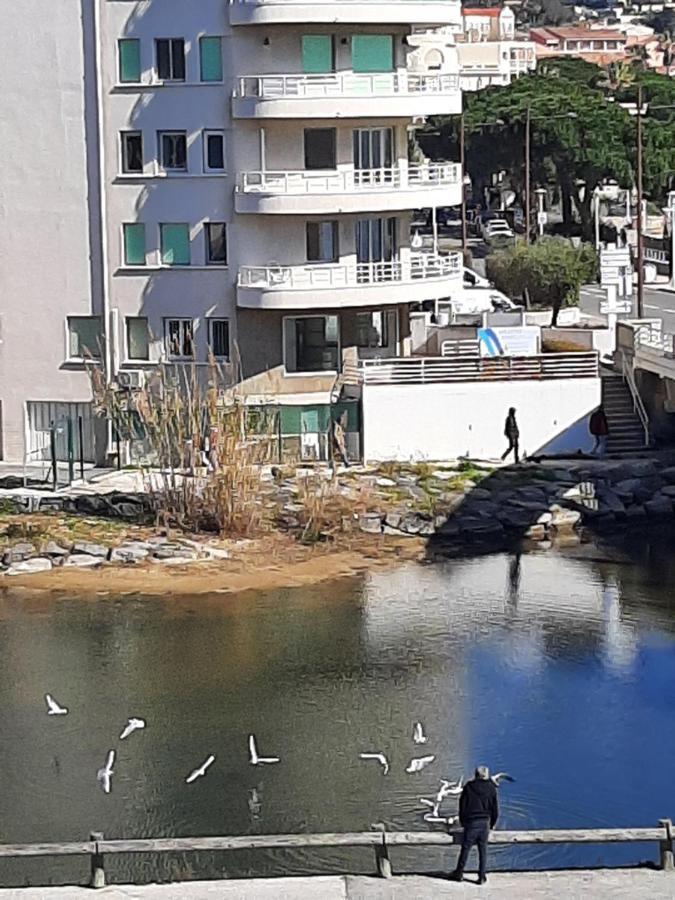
380,757
502,776
197,773
418,734
104,774
253,753
418,763
53,708
440,820
131,726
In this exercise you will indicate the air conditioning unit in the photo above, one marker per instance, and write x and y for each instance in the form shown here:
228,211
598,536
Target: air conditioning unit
131,379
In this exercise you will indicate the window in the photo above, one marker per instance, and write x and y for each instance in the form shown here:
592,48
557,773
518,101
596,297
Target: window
318,55
372,330
173,150
175,244
214,151
138,337
216,243
84,337
170,54
311,343
322,241
129,60
372,53
210,59
134,244
179,337
132,152
319,148
219,338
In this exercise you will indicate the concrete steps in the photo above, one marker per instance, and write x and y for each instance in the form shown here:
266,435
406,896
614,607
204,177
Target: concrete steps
626,434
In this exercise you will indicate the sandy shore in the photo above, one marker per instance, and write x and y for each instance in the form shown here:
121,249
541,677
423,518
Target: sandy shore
276,561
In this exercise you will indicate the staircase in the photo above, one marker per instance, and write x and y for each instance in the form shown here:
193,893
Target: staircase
626,434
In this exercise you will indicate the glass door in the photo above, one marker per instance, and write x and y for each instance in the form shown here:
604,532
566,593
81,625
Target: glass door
373,154
376,249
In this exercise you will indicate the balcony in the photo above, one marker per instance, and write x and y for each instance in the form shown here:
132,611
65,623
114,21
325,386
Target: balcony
418,277
349,190
350,12
346,95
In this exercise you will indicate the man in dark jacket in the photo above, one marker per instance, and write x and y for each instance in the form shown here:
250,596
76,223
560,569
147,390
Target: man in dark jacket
478,813
512,434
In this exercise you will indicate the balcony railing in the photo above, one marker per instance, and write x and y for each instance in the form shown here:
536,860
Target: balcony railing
420,266
350,180
345,84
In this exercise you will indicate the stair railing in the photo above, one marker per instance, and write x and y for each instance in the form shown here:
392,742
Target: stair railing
638,404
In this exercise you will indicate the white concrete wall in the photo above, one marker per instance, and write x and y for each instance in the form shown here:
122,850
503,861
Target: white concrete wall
445,421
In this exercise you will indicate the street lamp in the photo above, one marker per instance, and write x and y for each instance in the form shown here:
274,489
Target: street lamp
541,215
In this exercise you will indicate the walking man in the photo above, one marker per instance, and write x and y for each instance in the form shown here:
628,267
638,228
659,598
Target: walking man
599,429
478,813
511,434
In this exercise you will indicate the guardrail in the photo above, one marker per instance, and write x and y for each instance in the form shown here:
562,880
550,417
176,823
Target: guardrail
417,267
447,369
305,181
97,848
345,84
638,405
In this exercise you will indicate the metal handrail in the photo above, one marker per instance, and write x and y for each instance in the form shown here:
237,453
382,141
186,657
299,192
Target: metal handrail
345,84
303,181
638,404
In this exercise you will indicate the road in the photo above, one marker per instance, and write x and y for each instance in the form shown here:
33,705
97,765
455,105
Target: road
657,304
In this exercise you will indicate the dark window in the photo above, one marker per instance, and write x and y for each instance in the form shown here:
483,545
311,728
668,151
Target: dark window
173,149
219,337
322,241
179,337
138,338
319,148
171,59
215,151
216,243
132,151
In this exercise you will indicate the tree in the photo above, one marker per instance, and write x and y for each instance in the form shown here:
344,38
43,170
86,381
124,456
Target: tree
549,273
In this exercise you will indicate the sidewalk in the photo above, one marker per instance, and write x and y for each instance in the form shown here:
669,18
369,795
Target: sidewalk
600,884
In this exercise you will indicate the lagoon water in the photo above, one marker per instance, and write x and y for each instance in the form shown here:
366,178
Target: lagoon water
558,670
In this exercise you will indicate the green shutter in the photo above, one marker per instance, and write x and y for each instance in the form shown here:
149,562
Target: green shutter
130,60
317,53
290,419
211,59
175,245
372,53
134,245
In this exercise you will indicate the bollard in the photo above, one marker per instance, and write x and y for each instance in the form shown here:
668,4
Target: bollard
97,879
382,859
666,846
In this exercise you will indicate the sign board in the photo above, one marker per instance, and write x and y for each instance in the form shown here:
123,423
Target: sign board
542,218
518,341
618,307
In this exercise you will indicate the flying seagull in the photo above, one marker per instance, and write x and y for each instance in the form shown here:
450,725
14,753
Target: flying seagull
103,775
53,708
440,820
380,757
253,753
449,789
502,776
418,734
419,763
432,804
131,726
197,773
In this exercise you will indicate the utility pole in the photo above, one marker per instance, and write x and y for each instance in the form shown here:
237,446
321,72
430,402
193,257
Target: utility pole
527,175
462,162
640,261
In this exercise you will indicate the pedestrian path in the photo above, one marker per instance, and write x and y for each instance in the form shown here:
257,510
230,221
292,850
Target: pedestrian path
599,884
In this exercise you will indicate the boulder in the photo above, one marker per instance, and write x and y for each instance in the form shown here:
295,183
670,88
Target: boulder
635,511
174,551
91,504
668,490
668,474
127,553
50,504
609,502
371,523
536,532
216,552
640,468
83,561
385,482
51,548
18,553
89,549
563,519
30,566
659,507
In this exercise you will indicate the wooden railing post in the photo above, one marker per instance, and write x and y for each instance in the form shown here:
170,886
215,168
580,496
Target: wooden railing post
97,879
666,846
382,859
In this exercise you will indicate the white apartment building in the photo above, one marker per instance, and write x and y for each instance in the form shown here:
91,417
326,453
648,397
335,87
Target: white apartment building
216,178
489,50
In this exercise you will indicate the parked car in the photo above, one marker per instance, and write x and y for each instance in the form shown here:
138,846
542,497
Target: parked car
497,230
473,279
474,301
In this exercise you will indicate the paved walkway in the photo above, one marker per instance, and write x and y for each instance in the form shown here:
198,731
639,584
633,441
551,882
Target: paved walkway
600,884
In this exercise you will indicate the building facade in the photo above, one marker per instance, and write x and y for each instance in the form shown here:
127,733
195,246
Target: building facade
489,50
233,181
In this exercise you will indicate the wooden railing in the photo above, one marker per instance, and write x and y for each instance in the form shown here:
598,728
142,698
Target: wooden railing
97,848
439,370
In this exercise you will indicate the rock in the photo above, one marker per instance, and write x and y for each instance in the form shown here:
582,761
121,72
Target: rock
89,549
640,468
91,504
127,553
393,519
175,560
668,474
385,482
447,476
216,552
50,504
480,494
545,518
564,519
609,502
174,551
536,533
30,566
659,507
371,523
51,548
636,511
83,561
18,553
668,490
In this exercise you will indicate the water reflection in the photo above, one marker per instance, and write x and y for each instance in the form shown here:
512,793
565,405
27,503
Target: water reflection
559,671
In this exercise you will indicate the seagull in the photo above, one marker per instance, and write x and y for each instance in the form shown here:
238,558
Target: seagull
53,708
253,753
103,775
449,789
433,804
380,757
418,734
442,820
131,726
197,773
419,763
502,776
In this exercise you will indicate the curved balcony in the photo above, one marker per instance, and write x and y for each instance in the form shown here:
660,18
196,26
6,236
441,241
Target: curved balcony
418,277
350,12
309,192
346,95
